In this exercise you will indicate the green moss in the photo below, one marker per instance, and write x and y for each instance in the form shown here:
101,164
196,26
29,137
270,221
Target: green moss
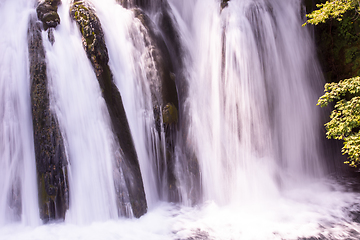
170,114
49,147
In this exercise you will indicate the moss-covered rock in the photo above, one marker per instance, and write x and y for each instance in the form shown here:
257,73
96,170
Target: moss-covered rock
47,13
170,114
96,50
50,154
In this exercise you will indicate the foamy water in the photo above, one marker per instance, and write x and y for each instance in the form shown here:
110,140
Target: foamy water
253,126
320,210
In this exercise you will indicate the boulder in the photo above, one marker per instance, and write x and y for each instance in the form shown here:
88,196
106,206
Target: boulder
224,4
47,13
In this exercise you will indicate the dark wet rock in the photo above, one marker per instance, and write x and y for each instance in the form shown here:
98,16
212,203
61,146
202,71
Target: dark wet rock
51,35
190,176
47,13
198,234
15,200
224,4
143,4
51,160
320,237
164,44
96,50
161,77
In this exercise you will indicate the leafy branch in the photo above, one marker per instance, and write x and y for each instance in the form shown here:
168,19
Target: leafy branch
331,9
345,118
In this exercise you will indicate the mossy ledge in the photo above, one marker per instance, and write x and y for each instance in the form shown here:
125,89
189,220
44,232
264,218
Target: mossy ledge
51,160
96,50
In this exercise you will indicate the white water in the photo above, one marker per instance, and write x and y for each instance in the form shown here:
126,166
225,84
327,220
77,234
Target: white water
260,113
85,123
126,64
253,127
18,191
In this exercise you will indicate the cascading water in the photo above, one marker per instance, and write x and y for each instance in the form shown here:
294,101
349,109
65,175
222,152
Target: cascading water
125,62
252,77
18,194
83,117
244,147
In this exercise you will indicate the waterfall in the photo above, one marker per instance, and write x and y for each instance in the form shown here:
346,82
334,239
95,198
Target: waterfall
85,123
18,191
175,119
126,64
252,104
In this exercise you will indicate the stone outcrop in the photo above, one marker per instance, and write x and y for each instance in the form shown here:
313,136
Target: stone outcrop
51,160
143,4
161,77
47,13
224,4
96,50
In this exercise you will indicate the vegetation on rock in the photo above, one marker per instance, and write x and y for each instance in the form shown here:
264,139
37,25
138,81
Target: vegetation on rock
343,51
345,118
51,160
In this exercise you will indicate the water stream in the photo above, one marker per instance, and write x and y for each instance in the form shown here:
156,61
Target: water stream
248,82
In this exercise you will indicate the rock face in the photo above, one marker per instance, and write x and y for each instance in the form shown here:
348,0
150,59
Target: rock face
51,160
95,47
143,4
47,13
169,95
224,4
161,77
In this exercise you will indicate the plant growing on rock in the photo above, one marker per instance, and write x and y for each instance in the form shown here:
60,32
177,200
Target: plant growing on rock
344,121
345,118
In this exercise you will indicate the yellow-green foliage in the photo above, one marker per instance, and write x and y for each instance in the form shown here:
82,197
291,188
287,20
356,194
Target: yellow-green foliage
345,118
344,121
331,9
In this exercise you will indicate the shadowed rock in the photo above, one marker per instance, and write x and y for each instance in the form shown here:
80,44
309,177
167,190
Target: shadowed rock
50,154
161,78
47,13
143,4
96,50
224,4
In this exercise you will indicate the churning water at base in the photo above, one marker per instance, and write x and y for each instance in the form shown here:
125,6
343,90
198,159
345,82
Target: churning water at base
252,83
